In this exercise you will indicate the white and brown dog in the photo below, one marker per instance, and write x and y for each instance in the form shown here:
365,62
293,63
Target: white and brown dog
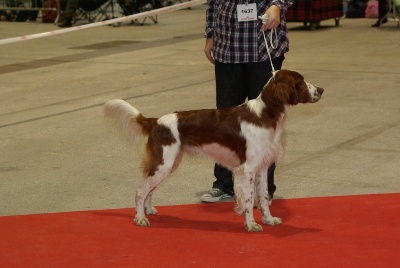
247,139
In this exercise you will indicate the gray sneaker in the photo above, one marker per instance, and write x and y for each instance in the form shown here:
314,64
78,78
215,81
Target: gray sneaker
214,195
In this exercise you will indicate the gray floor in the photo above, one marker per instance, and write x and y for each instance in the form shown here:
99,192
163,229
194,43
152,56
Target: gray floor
57,154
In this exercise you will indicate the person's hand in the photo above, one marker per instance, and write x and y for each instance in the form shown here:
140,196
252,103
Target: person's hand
274,18
208,50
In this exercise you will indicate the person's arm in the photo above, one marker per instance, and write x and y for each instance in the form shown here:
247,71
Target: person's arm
208,50
210,28
282,4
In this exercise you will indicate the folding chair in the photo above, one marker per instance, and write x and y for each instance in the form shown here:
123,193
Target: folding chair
393,13
130,7
94,10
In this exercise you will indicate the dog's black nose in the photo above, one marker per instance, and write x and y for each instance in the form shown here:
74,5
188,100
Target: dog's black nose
320,90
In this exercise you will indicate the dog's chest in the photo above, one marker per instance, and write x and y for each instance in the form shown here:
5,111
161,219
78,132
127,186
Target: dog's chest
262,142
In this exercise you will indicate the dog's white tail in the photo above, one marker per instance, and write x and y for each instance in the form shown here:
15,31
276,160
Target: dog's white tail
124,116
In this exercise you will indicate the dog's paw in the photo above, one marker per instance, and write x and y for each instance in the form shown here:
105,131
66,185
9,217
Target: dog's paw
253,227
151,211
142,221
269,220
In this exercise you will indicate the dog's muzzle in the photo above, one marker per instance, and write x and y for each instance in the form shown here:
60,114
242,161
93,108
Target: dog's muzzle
317,94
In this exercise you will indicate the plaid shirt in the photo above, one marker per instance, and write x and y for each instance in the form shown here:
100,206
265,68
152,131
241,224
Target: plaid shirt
241,42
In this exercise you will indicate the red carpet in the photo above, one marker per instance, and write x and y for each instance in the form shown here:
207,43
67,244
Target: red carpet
349,231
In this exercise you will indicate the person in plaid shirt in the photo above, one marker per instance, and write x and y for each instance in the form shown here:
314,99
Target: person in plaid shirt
235,45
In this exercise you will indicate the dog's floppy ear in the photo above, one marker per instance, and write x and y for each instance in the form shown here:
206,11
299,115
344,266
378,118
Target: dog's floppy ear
285,87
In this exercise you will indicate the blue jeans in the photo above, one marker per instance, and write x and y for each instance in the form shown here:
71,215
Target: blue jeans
236,82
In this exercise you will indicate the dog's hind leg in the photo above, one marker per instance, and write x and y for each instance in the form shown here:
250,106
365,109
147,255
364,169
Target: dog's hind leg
143,196
148,208
262,194
160,172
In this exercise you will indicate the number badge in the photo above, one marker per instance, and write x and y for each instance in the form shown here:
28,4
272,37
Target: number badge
247,12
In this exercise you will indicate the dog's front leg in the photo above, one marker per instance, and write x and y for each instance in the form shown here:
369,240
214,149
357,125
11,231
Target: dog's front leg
244,192
263,198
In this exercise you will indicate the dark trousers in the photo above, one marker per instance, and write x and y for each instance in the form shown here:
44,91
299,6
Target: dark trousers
33,14
382,8
234,83
71,7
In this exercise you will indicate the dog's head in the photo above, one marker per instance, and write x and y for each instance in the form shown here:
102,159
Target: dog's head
288,87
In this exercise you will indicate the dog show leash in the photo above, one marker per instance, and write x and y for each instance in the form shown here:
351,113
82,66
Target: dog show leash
264,19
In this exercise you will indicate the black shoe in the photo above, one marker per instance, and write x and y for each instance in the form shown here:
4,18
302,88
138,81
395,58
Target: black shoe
65,23
378,23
